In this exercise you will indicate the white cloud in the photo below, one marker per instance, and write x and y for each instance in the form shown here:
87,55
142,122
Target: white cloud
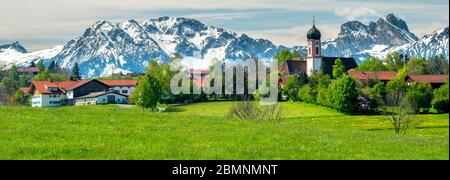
361,13
295,36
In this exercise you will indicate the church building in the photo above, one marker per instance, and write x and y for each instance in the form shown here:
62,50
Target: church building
315,62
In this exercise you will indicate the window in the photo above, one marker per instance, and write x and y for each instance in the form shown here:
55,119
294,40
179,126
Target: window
317,50
309,50
124,91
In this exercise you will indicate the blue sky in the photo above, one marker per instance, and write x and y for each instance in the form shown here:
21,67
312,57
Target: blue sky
40,24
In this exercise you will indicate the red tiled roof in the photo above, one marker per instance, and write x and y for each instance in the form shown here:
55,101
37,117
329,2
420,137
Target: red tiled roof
380,75
41,87
198,71
25,90
432,79
32,70
125,82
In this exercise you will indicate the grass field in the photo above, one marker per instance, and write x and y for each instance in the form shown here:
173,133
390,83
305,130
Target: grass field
201,131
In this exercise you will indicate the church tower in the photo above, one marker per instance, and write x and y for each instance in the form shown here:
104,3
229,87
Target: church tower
314,58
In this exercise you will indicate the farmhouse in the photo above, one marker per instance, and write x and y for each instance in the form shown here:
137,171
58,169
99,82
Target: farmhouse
54,94
435,81
364,76
122,86
33,71
314,60
105,97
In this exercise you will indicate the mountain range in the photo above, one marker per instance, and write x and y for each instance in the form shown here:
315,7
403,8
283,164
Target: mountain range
106,47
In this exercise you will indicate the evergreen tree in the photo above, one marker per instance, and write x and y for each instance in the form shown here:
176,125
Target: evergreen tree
52,67
41,65
75,72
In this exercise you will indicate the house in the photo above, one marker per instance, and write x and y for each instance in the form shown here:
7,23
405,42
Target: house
54,94
122,86
364,76
436,81
315,62
105,97
33,71
46,94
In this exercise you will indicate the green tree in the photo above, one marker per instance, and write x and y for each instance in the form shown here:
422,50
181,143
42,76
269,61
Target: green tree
291,88
18,98
338,69
441,99
395,61
283,56
438,65
372,64
417,66
344,95
75,72
419,96
305,94
12,73
41,65
52,68
151,87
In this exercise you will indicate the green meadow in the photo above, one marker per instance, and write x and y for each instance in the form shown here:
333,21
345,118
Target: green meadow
201,131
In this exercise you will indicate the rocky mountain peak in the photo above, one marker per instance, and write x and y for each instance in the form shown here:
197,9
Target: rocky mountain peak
15,46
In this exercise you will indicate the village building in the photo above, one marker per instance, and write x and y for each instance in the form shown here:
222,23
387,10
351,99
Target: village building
58,93
105,97
365,76
124,86
315,62
436,81
32,71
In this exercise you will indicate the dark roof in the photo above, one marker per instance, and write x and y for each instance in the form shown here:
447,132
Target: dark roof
292,67
328,62
314,33
432,79
84,82
101,93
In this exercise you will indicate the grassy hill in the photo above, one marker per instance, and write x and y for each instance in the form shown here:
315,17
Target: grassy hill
201,131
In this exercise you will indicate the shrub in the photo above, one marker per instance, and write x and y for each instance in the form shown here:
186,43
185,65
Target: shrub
291,88
323,96
441,99
344,95
367,101
305,94
249,110
419,96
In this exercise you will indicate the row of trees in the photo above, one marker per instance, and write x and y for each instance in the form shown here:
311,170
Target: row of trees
396,62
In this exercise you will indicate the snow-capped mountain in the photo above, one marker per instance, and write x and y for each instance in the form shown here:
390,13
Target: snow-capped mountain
429,46
356,37
15,53
107,47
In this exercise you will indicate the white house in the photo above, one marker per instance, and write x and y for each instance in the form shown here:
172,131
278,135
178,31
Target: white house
47,94
124,86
